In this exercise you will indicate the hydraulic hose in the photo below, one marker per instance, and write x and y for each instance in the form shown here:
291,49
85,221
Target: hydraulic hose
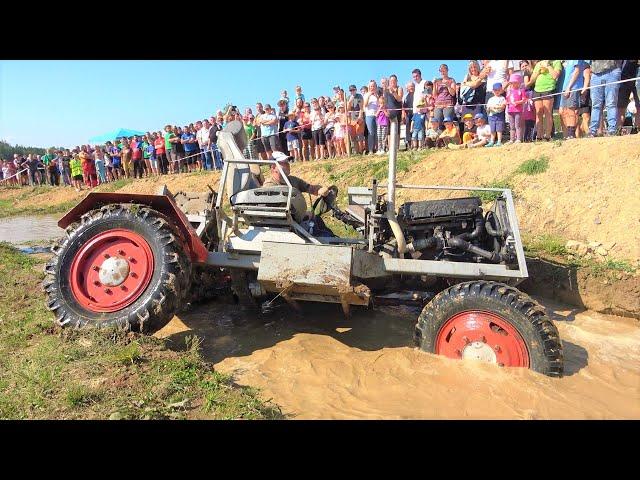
498,232
493,257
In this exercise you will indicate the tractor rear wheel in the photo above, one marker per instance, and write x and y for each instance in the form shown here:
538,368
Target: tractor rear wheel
493,322
118,267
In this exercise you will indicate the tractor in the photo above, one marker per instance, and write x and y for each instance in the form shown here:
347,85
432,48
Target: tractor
134,260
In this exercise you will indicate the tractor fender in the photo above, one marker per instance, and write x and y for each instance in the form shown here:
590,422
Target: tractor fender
164,204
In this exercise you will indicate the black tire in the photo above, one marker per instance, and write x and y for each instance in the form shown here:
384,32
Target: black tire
156,305
528,317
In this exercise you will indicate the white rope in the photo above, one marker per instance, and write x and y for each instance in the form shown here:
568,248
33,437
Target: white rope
14,175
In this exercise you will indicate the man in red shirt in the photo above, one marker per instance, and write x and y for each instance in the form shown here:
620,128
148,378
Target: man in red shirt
136,156
161,155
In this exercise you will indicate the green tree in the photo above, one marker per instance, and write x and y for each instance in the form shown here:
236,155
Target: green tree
7,150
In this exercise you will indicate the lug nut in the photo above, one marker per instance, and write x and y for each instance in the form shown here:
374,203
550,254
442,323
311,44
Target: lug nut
132,260
497,348
96,268
107,290
134,274
96,283
106,255
122,287
483,339
459,353
466,340
120,252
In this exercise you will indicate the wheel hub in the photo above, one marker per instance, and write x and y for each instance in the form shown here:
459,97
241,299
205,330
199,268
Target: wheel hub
111,270
114,271
479,351
484,336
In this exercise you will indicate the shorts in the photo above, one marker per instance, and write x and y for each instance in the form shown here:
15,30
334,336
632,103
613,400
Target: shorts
572,102
257,144
496,122
543,94
306,134
318,137
585,103
192,159
293,144
417,134
115,161
78,177
328,134
441,112
270,143
625,90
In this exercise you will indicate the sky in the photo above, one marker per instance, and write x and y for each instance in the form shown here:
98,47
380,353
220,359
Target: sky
64,103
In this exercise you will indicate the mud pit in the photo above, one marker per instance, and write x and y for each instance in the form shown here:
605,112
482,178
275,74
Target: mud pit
322,366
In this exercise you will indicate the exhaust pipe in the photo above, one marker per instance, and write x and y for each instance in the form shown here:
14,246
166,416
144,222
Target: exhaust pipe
391,190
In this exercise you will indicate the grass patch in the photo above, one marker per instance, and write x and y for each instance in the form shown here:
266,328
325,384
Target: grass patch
113,186
534,166
339,228
549,244
46,372
488,197
553,248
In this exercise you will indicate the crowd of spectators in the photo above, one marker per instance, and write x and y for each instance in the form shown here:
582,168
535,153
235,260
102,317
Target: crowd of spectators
496,100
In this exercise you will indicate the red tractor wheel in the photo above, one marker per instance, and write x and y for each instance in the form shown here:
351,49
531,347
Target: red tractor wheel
121,267
491,322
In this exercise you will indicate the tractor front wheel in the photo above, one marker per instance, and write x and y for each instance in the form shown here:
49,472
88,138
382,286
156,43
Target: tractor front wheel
491,322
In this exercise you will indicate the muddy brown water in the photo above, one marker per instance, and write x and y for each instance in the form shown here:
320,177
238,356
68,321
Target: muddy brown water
320,365
30,229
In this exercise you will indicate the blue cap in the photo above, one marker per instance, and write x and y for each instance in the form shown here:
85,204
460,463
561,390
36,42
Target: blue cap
479,116
447,119
497,86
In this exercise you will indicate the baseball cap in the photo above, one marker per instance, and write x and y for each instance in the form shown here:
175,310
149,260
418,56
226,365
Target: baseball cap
280,157
479,116
447,119
337,87
352,87
467,116
497,86
434,120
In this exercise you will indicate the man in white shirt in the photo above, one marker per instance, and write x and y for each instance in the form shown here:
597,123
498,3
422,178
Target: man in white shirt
496,71
419,83
202,136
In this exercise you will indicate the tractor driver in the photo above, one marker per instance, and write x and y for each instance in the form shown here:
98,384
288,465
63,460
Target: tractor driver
315,226
297,183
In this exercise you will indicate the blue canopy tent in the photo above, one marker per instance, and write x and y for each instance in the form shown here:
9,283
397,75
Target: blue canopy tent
111,136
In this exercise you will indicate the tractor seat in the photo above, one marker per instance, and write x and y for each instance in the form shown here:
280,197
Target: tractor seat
265,203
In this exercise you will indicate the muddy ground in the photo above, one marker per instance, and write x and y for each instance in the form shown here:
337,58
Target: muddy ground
323,366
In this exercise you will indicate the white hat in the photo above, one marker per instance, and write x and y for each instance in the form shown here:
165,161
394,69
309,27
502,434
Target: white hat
280,156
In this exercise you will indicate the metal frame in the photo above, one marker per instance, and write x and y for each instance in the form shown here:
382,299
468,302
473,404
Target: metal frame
522,271
359,195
